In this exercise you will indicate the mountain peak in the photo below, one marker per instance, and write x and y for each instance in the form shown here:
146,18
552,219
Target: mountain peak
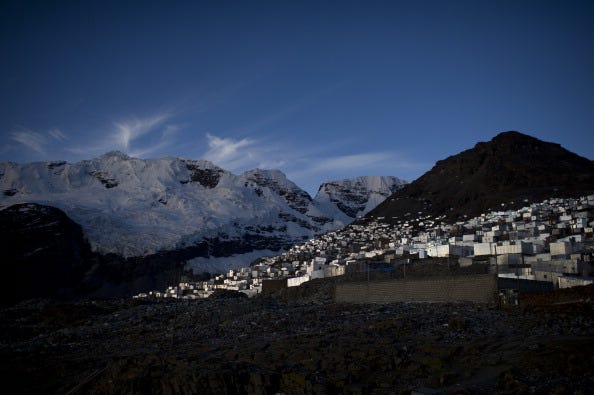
201,163
355,197
512,135
273,174
115,155
516,140
508,170
368,180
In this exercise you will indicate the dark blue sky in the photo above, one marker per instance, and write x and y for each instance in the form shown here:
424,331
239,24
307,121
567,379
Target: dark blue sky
319,89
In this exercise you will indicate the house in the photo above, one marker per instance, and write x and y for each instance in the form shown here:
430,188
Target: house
568,281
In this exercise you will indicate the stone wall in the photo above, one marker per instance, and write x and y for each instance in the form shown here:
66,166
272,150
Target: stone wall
525,286
272,286
479,288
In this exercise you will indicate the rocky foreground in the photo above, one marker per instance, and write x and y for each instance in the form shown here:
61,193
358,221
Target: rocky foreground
298,344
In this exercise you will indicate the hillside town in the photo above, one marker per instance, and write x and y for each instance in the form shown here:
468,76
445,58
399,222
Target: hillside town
542,246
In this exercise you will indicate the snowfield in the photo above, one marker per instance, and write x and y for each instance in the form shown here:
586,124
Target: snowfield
137,207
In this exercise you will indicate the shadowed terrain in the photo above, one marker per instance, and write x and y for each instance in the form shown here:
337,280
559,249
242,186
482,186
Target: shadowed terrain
298,344
512,169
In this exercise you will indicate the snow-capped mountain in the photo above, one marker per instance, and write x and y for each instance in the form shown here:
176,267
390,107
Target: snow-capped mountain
138,207
356,197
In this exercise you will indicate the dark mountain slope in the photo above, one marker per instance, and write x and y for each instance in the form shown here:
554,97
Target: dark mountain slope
43,253
509,169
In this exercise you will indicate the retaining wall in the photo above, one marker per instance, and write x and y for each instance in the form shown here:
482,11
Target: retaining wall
478,288
271,286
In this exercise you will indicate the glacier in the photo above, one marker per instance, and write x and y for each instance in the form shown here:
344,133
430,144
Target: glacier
137,207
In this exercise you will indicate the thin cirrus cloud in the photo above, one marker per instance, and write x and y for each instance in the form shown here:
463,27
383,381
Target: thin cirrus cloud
129,130
226,150
369,163
30,139
135,136
37,141
57,134
355,161
167,137
313,170
241,154
303,166
247,153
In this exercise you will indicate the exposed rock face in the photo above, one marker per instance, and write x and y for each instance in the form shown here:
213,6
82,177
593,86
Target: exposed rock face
104,178
357,196
276,181
511,169
200,172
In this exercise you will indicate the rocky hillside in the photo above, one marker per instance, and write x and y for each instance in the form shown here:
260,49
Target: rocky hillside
267,346
506,172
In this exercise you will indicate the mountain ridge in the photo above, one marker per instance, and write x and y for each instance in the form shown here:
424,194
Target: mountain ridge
507,171
141,207
209,212
345,194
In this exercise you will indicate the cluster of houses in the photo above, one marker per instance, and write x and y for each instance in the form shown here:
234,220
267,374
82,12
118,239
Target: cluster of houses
541,246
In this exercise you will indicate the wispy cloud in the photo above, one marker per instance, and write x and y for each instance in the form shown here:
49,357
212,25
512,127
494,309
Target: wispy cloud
131,129
310,171
30,139
136,136
242,154
167,138
349,162
307,166
228,152
58,135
